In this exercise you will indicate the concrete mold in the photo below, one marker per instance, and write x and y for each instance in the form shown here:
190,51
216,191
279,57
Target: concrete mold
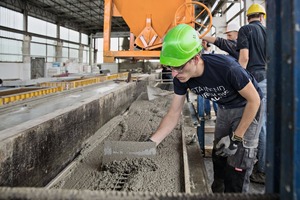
43,147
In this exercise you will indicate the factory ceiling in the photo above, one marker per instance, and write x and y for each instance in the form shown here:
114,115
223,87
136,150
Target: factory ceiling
86,16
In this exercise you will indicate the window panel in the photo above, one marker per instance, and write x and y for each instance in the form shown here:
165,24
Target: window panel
11,19
65,54
37,50
73,53
68,34
75,46
50,53
38,39
41,27
10,50
84,57
9,34
114,44
73,36
64,33
84,39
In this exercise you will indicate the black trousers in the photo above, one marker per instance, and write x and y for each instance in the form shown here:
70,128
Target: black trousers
227,178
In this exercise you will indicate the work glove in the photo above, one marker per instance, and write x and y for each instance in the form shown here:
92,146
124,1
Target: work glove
228,146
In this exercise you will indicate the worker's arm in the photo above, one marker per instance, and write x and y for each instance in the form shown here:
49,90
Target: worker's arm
170,120
244,57
253,102
209,39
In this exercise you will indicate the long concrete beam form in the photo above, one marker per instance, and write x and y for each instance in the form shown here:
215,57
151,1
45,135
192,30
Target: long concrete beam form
34,152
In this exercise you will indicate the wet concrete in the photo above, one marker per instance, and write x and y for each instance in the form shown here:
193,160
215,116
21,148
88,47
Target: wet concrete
162,173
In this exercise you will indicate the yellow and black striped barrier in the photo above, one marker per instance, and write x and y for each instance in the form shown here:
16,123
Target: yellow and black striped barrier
13,95
71,84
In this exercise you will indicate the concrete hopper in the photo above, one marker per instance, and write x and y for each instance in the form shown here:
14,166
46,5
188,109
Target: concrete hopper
149,21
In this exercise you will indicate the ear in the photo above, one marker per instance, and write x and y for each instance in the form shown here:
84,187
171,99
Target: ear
261,18
196,59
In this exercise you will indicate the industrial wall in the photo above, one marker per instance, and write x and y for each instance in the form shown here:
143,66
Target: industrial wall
15,71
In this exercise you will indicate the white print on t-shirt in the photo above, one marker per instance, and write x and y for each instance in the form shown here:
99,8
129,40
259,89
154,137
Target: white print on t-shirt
214,94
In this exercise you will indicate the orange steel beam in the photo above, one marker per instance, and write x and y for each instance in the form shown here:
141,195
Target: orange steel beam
130,54
131,42
108,4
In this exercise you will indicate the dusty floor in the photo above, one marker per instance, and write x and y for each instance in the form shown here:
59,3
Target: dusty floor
163,173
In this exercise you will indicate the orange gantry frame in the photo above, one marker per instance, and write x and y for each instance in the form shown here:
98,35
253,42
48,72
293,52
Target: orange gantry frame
148,20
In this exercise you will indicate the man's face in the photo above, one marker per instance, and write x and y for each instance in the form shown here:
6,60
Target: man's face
204,44
233,35
186,72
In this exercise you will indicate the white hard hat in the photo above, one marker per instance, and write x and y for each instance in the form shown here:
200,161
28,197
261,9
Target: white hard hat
232,27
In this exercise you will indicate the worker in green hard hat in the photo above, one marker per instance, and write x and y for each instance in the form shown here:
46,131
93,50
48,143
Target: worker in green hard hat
219,78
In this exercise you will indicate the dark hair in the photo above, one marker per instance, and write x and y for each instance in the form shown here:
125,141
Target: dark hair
256,15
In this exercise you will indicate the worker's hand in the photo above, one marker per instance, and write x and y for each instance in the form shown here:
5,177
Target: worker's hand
150,140
226,146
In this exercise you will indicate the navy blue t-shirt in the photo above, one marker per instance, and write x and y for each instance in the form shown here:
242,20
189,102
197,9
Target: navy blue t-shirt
253,37
227,45
221,80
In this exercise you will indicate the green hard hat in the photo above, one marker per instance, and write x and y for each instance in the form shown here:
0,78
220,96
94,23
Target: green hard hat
180,45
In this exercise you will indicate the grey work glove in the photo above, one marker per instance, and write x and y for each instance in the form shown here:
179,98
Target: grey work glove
226,147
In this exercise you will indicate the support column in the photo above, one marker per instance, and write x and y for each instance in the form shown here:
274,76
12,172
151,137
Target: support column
26,49
283,108
80,53
95,51
25,71
91,49
58,48
95,56
58,54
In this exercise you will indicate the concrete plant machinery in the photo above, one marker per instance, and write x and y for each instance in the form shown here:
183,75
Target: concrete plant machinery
149,21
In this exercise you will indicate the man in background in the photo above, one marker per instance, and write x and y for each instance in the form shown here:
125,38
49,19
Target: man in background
251,45
228,45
